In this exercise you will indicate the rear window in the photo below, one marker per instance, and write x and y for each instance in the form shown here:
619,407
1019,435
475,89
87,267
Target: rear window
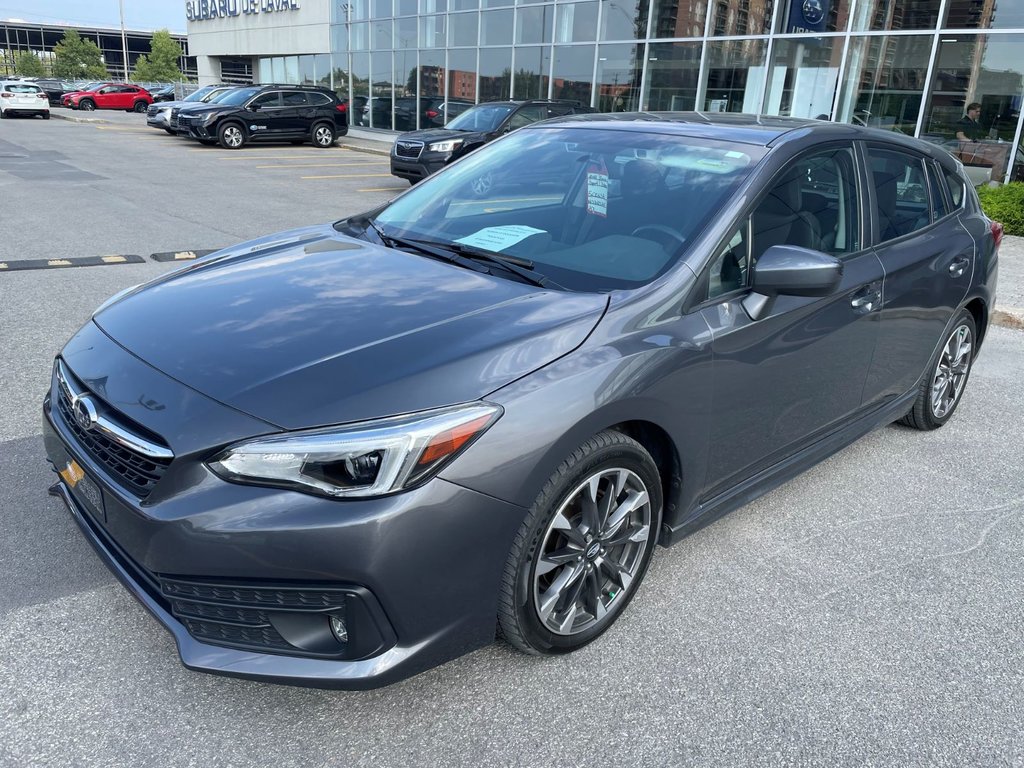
21,88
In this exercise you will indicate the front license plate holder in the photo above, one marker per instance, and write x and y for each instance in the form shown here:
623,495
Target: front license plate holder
85,491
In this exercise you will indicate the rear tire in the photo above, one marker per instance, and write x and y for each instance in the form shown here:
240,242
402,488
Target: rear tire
140,106
46,115
323,135
170,132
943,385
231,136
3,115
583,548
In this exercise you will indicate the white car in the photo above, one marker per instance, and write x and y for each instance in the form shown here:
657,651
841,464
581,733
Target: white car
22,98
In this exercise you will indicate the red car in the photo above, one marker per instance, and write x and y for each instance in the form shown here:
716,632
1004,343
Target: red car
130,98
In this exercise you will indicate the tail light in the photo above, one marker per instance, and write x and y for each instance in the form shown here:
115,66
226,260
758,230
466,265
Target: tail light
997,232
6,95
40,95
432,113
342,107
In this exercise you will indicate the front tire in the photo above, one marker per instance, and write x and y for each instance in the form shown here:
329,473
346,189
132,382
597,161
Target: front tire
583,549
87,105
942,389
231,136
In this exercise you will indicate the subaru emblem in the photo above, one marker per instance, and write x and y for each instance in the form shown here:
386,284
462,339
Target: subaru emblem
85,412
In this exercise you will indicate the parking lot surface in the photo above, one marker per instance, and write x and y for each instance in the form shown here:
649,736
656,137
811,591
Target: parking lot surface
867,613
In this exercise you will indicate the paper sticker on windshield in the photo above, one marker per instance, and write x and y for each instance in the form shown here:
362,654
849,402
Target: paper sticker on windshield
499,238
597,188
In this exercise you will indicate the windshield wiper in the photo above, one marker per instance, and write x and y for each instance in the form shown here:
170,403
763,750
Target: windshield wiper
436,250
524,268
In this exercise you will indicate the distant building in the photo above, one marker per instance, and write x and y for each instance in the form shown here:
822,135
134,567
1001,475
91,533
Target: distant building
41,39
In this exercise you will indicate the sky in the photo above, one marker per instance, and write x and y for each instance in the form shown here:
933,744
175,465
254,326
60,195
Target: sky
138,14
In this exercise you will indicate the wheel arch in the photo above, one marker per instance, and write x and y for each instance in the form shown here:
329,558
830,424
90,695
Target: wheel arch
657,442
978,308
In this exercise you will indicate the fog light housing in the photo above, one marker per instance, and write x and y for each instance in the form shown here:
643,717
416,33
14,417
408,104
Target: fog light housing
339,629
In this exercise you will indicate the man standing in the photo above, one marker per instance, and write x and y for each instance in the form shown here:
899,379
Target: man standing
968,128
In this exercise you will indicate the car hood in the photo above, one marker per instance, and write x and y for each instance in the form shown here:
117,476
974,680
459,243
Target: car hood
440,134
192,107
310,328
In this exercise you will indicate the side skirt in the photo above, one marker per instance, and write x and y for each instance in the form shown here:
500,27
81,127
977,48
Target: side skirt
745,492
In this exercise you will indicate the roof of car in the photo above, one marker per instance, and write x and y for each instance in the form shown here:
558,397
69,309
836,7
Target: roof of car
761,130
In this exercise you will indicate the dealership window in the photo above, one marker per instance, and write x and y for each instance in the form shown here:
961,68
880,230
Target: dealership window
381,89
735,75
433,6
496,27
623,19
896,14
406,7
463,5
462,75
619,70
382,9
576,23
406,106
307,70
803,76
383,35
533,24
884,82
405,33
679,18
495,74
360,85
463,29
984,14
359,37
741,17
432,31
672,73
573,72
532,67
987,70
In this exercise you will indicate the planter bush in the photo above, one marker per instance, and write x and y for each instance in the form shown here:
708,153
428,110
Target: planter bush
1005,204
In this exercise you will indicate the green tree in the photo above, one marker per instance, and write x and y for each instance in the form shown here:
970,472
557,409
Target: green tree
28,64
78,59
161,65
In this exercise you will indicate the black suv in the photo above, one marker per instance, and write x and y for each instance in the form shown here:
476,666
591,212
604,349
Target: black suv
418,154
266,113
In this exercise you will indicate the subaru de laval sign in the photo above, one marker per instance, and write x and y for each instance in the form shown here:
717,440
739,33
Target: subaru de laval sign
202,10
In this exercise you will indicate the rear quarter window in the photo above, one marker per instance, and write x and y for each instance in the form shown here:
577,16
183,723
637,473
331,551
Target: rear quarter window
319,99
956,189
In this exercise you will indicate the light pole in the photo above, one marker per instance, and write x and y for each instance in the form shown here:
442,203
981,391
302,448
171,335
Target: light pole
124,41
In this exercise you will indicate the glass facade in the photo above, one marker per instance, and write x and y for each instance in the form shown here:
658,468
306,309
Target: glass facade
912,66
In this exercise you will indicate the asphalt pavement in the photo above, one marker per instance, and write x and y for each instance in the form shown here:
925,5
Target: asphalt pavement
867,613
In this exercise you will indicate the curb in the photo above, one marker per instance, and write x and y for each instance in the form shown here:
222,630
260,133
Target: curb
74,119
365,149
1008,318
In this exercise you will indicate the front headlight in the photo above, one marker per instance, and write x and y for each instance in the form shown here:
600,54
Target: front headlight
444,146
371,458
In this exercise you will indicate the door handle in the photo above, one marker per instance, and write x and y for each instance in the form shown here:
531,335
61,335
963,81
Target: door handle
956,269
866,299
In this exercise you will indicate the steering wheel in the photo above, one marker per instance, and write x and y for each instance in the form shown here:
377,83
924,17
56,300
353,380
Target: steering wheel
676,239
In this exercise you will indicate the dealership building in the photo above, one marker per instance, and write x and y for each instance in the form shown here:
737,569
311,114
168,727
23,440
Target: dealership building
911,66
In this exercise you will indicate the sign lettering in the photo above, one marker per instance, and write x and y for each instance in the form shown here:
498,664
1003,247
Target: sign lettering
204,10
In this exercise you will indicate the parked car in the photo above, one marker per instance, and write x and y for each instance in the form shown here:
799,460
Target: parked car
295,113
432,111
165,94
23,98
367,443
130,98
159,114
216,98
54,89
418,154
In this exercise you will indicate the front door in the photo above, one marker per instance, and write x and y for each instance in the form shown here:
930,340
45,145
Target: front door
928,259
262,115
797,372
296,116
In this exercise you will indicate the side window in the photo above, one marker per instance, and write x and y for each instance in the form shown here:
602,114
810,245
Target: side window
294,99
558,110
728,271
813,204
527,115
901,192
108,89
936,192
318,99
267,100
956,189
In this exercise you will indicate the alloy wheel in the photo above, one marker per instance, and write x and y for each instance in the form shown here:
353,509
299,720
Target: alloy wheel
324,136
232,136
591,551
951,371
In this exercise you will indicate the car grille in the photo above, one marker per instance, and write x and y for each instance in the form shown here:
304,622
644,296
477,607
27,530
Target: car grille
238,615
408,149
175,113
153,109
136,471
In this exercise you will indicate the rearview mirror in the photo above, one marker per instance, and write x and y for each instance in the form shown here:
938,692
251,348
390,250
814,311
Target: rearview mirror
789,270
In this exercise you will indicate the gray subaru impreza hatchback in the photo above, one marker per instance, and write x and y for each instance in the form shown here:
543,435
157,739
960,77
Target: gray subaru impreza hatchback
369,446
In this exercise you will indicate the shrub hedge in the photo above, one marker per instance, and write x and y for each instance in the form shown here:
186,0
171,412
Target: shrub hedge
1005,204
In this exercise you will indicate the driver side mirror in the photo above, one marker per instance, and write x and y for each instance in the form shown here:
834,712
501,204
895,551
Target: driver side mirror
789,270
255,107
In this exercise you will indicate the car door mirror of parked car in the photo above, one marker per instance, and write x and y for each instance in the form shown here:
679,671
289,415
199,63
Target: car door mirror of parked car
254,107
791,271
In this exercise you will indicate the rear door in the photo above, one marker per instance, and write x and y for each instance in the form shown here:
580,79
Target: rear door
797,372
295,117
928,260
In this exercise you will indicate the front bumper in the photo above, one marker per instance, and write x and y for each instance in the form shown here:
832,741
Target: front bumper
416,170
159,120
420,570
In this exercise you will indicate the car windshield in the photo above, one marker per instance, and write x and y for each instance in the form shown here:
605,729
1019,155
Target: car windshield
93,86
198,95
485,117
592,208
238,97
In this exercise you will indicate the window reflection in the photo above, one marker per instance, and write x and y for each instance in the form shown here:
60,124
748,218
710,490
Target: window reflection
735,76
742,17
672,73
896,14
885,81
679,18
532,67
803,77
461,83
576,22
623,19
495,74
985,72
803,16
573,72
619,68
